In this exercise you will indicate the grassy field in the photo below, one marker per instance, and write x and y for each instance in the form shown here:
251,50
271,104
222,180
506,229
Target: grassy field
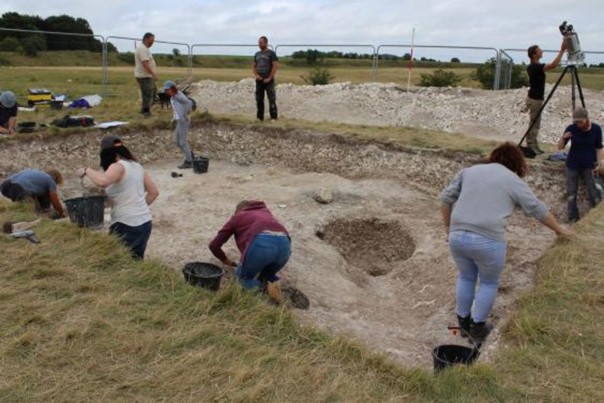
79,73
81,321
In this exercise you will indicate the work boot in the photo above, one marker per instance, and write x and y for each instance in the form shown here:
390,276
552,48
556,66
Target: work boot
274,293
185,165
479,331
464,325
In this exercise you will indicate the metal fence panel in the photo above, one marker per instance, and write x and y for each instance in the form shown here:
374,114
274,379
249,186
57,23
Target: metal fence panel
181,66
467,48
90,79
311,46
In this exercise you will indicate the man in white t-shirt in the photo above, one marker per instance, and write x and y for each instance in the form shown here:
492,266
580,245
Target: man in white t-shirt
144,72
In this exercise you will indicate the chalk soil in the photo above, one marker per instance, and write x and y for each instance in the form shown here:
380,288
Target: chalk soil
397,299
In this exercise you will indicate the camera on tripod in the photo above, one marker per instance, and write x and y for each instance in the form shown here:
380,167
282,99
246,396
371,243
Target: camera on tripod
573,46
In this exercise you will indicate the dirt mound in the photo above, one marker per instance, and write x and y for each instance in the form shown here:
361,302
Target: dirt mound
482,113
370,244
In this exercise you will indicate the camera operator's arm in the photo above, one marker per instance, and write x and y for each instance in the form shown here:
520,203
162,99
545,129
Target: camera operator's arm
563,140
554,63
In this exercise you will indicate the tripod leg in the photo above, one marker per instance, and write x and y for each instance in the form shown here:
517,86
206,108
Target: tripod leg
579,87
551,93
572,87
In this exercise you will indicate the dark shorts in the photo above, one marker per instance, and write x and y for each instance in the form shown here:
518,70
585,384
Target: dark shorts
135,238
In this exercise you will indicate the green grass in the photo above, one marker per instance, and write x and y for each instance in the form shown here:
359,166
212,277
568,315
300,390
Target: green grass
81,321
52,69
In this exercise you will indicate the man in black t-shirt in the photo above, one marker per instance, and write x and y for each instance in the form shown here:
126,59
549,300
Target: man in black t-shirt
8,112
264,69
534,101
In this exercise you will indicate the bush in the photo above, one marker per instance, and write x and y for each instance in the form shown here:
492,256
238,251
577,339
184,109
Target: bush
455,60
127,57
440,78
318,76
10,44
33,44
485,74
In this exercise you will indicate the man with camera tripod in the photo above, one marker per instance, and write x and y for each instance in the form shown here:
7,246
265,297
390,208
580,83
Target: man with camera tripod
536,72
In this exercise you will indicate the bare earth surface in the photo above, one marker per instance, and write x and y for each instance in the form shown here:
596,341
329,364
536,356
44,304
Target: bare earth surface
404,310
375,262
487,114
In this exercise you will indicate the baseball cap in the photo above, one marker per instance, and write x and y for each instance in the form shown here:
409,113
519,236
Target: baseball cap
109,141
168,84
8,99
580,113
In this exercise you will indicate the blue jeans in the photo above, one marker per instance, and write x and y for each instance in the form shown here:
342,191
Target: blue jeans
266,255
135,238
477,258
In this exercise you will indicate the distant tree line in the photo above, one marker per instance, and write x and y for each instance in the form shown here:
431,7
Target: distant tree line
31,44
314,56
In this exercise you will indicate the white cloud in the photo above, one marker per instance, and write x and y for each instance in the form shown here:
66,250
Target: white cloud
509,24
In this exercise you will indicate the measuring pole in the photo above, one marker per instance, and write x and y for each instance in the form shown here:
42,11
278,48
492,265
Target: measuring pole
411,60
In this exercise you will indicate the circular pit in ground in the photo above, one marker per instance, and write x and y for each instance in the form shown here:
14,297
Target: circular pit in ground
371,244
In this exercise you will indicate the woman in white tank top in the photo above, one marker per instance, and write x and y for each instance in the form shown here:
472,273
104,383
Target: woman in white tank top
130,191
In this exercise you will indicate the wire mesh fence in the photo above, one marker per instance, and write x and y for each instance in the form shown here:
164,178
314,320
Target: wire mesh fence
96,66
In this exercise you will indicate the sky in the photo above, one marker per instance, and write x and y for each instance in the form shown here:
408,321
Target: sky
498,24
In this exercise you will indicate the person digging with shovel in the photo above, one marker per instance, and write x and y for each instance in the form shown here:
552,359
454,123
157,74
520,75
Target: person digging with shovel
264,243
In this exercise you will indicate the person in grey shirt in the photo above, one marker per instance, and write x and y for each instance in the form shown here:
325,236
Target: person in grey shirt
264,70
181,106
476,206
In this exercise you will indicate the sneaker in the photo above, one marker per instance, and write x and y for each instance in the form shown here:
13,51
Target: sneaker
479,331
185,165
464,325
274,293
538,150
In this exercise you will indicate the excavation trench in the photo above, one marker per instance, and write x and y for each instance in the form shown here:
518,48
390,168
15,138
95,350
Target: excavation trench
374,263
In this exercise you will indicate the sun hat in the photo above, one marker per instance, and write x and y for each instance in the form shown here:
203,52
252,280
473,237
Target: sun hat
109,141
8,99
168,84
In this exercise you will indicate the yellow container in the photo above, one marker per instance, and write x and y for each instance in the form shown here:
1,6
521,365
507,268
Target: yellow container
37,96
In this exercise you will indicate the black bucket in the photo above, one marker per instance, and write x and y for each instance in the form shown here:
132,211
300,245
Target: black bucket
447,355
86,211
200,165
204,275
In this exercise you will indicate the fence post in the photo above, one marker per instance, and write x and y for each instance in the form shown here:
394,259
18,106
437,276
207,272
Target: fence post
496,81
190,61
105,59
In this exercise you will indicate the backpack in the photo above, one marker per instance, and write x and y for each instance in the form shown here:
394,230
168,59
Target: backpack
193,103
74,121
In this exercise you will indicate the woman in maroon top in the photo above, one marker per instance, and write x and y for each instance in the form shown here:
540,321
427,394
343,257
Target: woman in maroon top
264,244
